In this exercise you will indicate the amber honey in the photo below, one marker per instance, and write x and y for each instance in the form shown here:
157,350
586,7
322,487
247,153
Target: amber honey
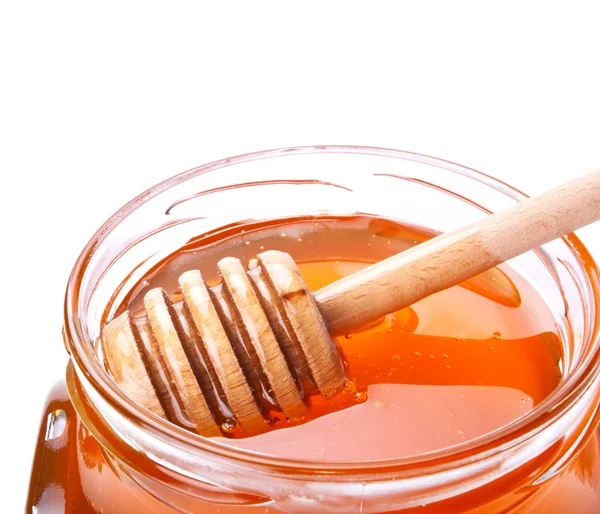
446,371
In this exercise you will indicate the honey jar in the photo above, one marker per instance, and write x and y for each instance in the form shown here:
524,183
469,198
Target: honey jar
481,398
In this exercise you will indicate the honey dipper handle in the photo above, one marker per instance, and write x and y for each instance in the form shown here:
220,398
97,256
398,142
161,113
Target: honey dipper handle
450,258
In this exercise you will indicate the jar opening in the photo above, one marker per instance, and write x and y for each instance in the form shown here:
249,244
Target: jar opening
582,348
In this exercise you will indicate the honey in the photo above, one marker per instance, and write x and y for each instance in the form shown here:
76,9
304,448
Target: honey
441,374
486,353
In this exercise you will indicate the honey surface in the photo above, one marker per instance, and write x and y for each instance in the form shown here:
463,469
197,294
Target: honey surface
453,367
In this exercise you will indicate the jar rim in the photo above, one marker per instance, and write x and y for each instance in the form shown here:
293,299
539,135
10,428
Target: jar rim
496,441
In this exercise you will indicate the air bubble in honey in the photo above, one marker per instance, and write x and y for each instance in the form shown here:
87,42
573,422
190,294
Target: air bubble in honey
361,396
350,387
228,426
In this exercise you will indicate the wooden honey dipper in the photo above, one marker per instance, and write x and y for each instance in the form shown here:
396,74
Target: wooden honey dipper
224,354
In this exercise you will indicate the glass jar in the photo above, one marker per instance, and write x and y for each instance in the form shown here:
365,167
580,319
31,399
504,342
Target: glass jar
99,452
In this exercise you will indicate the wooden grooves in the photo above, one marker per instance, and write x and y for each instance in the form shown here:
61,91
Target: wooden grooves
259,336
273,306
307,327
128,365
177,363
219,350
229,354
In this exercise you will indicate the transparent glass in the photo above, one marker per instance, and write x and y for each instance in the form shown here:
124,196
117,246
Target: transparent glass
128,460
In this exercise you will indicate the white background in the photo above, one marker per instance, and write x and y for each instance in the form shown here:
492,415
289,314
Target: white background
98,101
